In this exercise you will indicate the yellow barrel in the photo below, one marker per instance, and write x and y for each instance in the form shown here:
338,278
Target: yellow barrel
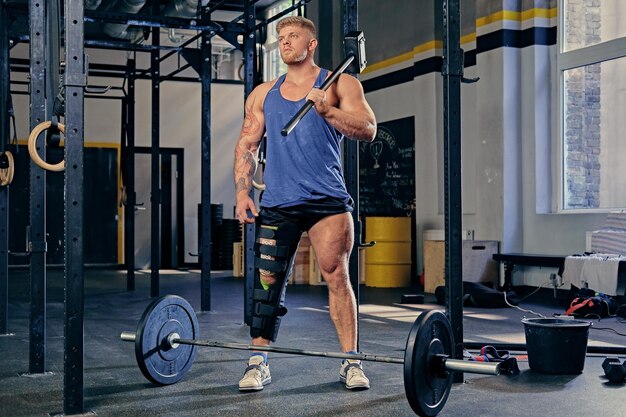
388,263
389,252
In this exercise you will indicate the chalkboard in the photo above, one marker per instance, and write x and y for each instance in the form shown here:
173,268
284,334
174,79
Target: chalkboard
387,170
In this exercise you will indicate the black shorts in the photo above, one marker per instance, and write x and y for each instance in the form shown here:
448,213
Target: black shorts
305,215
286,225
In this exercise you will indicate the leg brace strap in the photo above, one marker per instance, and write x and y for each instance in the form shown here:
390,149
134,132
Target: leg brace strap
270,265
266,232
278,250
266,312
267,307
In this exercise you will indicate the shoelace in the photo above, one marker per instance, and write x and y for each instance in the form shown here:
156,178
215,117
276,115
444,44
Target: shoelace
352,372
256,373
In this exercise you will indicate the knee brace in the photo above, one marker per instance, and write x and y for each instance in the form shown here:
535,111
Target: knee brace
267,306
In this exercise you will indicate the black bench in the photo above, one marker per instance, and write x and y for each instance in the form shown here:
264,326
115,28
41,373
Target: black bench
510,260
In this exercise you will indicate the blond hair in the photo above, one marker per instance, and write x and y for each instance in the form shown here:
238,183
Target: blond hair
300,21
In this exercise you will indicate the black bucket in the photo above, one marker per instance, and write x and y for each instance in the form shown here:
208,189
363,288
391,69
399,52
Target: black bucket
556,346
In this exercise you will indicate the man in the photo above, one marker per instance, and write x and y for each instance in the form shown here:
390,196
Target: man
305,191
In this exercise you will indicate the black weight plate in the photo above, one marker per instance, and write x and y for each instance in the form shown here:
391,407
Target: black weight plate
160,363
426,388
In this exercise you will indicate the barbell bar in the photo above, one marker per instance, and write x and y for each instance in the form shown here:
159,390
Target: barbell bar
449,364
293,122
174,339
166,342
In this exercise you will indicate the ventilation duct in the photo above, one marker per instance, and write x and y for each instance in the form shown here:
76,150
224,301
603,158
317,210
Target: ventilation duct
92,4
183,8
123,30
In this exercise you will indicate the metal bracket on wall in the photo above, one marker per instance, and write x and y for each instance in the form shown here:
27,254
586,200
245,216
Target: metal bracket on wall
457,72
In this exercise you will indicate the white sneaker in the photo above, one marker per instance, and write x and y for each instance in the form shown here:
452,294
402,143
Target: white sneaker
351,374
256,375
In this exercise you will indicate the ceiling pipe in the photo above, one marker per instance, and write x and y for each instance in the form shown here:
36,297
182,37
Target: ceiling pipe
183,8
92,4
123,30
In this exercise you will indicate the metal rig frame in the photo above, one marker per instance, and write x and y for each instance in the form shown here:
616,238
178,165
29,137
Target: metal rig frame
43,68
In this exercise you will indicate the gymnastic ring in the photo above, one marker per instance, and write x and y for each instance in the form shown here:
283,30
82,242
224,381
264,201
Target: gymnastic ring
123,196
240,72
32,147
6,174
258,186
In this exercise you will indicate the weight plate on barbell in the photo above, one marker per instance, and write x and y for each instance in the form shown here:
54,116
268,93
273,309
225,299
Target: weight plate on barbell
161,363
426,385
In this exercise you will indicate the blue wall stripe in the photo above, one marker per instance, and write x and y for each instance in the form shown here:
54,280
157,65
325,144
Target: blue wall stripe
501,38
516,38
425,66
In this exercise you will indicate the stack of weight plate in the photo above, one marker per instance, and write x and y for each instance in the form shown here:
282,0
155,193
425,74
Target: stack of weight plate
224,232
230,232
217,214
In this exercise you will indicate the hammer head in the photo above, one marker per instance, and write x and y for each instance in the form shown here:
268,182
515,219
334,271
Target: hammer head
354,44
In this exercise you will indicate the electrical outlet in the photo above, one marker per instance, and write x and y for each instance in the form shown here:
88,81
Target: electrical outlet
556,280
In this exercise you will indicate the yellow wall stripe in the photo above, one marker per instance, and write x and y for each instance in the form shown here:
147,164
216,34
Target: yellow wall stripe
495,17
110,145
120,209
539,13
471,37
407,56
86,145
516,16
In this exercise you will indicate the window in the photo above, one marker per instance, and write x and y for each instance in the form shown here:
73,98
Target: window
591,63
590,22
274,66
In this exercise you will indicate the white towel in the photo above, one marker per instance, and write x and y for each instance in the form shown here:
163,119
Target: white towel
573,270
598,271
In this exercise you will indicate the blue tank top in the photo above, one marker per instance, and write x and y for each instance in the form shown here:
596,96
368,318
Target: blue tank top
306,164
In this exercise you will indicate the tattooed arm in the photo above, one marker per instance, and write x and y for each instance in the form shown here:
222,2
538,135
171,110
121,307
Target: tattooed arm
353,116
246,153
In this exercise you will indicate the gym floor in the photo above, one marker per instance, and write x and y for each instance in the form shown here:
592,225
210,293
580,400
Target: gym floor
302,386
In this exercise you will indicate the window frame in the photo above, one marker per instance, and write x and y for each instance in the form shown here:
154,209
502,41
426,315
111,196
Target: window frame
271,47
567,60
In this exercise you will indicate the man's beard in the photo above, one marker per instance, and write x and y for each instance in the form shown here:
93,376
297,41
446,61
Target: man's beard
293,58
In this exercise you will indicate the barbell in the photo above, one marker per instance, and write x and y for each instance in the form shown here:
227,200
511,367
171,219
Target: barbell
354,45
166,341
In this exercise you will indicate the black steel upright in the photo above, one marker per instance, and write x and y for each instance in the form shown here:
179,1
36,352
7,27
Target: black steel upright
452,72
75,82
205,166
53,51
155,194
37,236
325,35
250,79
351,167
166,210
5,131
129,160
